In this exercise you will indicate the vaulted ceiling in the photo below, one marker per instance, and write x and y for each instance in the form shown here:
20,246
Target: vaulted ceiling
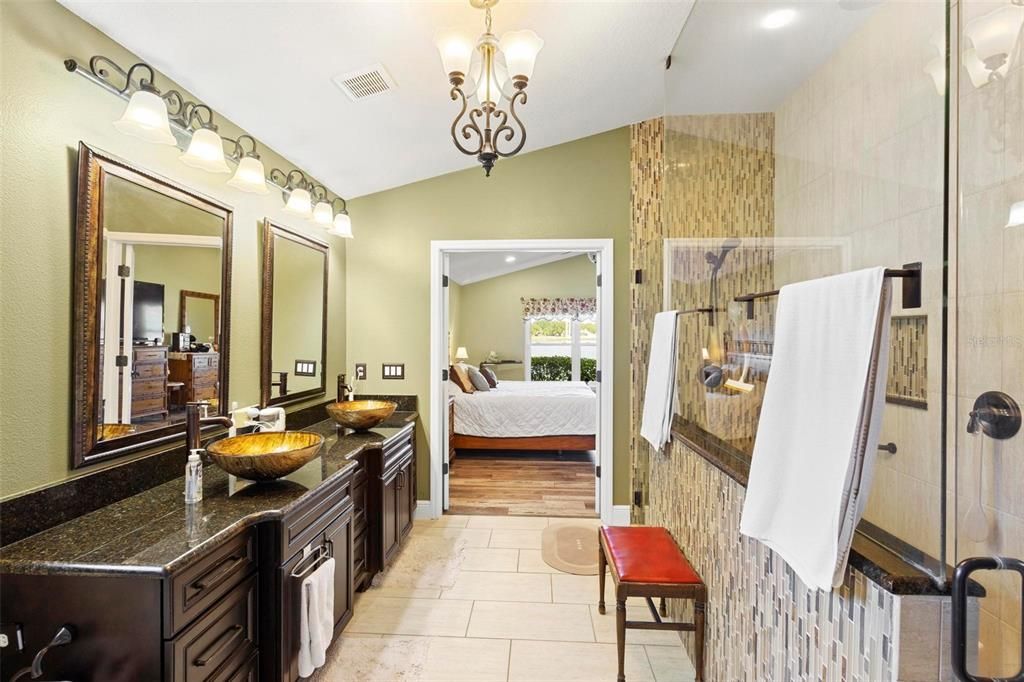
268,67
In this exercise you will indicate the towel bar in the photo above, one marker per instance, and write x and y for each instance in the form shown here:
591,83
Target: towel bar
910,273
319,553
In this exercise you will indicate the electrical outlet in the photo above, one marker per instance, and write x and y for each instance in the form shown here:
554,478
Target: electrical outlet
11,636
392,370
360,371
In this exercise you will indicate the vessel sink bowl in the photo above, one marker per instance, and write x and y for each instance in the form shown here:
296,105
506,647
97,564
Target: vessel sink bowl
361,415
267,455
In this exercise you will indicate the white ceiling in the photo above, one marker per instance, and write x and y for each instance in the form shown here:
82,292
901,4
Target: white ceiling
725,62
268,67
467,268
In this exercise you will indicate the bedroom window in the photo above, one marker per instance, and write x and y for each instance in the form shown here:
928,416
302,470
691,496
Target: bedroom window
561,349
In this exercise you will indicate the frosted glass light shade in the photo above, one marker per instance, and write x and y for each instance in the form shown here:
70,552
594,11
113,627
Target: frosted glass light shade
206,152
521,49
299,202
937,70
1016,215
250,176
455,52
342,226
461,353
145,117
976,70
996,33
323,214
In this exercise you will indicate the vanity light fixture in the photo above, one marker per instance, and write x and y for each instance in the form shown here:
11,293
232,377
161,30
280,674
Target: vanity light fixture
206,149
323,214
994,39
493,71
145,117
250,175
342,222
294,187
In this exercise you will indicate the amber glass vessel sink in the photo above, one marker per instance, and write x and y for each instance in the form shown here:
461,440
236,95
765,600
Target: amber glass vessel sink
267,455
361,415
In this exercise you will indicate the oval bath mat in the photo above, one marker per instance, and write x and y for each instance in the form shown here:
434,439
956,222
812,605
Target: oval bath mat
571,546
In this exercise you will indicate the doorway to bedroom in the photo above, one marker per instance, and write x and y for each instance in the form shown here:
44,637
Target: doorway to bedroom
521,345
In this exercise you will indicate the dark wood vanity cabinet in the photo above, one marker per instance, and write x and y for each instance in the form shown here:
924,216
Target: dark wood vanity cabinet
398,495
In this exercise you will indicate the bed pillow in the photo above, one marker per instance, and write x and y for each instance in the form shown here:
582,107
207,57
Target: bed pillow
480,383
460,376
492,378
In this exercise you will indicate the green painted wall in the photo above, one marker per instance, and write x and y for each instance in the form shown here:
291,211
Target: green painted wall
44,112
575,190
491,313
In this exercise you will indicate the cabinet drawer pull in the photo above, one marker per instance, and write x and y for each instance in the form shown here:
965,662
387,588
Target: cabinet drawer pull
222,642
218,573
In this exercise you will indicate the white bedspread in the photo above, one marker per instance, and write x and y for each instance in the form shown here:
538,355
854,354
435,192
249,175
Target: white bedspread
527,408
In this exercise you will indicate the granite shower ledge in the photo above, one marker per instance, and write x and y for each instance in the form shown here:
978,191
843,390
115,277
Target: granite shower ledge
154,534
883,567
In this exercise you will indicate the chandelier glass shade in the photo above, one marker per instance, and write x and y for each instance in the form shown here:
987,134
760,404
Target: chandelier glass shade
489,81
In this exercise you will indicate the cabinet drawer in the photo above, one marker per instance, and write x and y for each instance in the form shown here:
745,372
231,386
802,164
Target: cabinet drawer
219,643
313,516
203,361
204,392
158,355
398,457
205,376
150,371
142,406
199,586
148,387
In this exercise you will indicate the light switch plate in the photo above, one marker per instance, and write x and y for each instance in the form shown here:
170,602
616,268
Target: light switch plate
392,370
360,371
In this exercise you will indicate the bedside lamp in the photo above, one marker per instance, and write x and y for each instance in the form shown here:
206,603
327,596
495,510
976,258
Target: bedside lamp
461,353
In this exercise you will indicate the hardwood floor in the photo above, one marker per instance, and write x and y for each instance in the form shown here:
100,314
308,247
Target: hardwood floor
530,484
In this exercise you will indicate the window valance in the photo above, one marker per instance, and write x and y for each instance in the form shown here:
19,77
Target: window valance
558,308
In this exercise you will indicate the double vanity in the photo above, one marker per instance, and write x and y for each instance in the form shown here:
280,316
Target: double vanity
158,590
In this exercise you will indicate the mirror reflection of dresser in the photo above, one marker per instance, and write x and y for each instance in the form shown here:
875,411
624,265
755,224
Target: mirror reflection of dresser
194,377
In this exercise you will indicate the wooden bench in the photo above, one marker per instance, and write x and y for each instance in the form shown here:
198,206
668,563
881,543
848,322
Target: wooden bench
646,562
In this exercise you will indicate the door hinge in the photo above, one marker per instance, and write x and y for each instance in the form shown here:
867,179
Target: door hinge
638,276
124,271
597,471
638,498
121,361
444,281
444,375
444,468
597,376
599,280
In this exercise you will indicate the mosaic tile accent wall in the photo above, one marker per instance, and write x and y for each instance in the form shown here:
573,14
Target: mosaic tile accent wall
762,622
908,360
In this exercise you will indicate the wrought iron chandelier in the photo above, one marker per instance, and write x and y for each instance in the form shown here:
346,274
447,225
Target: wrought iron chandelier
494,72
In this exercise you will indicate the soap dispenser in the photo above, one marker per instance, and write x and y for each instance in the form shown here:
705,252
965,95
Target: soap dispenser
194,478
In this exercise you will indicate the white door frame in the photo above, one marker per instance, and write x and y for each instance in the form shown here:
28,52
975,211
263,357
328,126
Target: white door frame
439,352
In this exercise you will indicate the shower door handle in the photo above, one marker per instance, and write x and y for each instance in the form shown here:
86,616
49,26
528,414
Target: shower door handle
961,587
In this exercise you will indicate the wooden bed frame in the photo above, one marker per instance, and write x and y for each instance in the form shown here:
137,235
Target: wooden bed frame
526,443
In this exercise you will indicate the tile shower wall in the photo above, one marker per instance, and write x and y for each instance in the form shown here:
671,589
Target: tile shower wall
859,162
762,623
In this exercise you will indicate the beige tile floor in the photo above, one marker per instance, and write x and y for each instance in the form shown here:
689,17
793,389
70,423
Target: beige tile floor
494,612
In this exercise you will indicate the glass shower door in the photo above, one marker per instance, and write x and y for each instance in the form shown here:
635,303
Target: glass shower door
987,324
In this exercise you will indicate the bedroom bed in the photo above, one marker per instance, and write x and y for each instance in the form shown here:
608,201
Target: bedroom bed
525,415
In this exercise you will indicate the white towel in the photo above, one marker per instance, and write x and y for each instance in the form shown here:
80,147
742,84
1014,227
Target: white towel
316,618
660,393
814,455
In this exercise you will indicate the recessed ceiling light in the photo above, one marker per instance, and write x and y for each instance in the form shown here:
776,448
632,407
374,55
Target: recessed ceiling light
778,19
510,259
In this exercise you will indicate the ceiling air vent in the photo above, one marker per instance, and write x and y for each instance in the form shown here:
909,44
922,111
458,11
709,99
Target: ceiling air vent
365,83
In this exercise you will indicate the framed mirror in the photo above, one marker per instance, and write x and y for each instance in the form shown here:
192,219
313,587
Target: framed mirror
147,250
293,329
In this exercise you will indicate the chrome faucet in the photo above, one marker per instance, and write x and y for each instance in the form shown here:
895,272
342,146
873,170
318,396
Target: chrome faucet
194,423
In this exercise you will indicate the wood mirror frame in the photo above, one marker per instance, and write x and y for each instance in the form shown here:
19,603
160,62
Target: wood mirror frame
270,231
93,167
183,297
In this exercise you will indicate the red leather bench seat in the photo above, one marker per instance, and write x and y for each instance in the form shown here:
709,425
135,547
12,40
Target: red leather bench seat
647,554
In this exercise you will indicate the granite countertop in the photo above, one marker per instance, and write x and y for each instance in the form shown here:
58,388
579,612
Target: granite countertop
154,533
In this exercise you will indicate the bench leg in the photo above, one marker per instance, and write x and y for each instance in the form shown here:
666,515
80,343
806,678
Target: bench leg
698,632
602,568
620,636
